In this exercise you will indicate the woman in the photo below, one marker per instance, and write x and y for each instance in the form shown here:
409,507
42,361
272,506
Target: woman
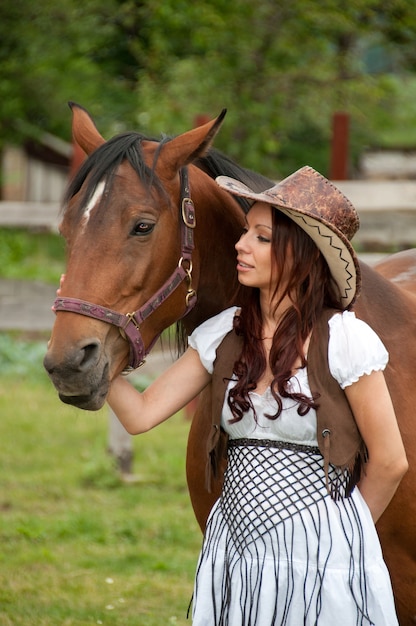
292,539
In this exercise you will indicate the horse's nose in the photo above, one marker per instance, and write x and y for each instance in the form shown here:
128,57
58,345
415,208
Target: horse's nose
81,359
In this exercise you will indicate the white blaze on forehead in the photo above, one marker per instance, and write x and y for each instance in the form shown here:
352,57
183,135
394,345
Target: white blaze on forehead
93,201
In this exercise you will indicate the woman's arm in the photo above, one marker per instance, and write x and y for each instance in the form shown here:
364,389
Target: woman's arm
373,410
170,392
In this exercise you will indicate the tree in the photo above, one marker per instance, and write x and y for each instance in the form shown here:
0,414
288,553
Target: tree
48,56
281,69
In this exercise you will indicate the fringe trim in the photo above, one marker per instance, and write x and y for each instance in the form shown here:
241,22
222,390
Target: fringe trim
338,487
217,453
234,583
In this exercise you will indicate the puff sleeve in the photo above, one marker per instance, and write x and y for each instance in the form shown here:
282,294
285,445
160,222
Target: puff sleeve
354,349
206,338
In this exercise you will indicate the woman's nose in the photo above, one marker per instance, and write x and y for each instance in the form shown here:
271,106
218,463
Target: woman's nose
240,243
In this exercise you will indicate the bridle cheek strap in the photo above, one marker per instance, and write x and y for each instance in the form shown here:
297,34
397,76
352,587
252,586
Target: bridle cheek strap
129,323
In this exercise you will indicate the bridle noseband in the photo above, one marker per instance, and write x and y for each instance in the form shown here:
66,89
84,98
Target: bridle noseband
129,323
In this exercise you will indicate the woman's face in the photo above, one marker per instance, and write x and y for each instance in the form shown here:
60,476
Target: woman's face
254,257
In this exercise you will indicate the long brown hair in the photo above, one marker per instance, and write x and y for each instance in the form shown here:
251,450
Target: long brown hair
309,285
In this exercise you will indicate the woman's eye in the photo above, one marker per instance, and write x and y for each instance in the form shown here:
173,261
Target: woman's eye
263,239
142,228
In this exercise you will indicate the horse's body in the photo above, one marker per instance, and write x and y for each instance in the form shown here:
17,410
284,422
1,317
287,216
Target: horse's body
124,243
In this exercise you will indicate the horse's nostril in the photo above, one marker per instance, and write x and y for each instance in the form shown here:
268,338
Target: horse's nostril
88,355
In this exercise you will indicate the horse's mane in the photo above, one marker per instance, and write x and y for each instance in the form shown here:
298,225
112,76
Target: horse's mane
105,160
216,163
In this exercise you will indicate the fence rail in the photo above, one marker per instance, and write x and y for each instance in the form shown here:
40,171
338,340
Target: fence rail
30,215
387,212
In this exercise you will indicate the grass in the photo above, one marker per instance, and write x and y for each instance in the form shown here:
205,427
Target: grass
31,255
78,546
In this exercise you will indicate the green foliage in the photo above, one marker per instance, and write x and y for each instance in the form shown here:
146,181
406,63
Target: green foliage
31,255
21,358
282,69
395,122
79,547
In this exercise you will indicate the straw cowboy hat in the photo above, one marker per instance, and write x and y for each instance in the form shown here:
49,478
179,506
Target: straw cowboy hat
323,212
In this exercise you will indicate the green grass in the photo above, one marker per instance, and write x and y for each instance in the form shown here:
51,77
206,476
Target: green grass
31,255
77,545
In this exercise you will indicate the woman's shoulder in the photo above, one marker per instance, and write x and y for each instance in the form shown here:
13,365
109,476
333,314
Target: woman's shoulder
346,324
217,322
207,336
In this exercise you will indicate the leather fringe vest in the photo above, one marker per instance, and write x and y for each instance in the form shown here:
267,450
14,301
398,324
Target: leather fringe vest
339,439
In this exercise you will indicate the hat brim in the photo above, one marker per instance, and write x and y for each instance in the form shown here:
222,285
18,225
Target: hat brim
334,246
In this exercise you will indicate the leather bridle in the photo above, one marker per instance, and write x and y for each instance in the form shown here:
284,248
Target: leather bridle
129,323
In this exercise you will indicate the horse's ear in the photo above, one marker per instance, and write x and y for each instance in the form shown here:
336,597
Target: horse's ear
187,147
84,130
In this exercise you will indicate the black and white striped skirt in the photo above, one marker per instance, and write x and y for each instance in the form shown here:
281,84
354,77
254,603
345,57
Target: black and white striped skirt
278,551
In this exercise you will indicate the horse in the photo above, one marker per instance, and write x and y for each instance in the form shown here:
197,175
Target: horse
150,243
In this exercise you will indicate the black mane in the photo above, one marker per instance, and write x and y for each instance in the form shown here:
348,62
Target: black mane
215,163
105,160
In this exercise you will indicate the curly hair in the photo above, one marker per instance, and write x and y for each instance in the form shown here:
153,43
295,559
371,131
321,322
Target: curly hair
310,287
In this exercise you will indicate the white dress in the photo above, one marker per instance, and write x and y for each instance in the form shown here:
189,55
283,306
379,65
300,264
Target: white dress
277,550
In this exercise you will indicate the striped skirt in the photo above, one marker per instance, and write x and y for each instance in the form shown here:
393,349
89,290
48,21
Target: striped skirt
279,551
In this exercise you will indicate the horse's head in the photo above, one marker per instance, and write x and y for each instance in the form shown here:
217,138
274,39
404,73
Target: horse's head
131,270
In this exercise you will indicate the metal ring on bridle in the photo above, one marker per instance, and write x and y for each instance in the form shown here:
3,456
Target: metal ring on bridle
180,264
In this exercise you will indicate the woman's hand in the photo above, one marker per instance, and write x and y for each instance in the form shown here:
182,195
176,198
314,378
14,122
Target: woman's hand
61,282
58,291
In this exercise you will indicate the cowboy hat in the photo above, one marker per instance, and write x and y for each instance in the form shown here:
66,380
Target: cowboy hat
323,212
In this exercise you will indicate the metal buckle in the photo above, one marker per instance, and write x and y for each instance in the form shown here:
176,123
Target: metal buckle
132,319
190,294
188,213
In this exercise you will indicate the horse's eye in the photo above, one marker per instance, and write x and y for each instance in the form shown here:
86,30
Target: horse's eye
142,228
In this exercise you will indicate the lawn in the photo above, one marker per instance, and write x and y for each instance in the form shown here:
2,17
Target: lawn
78,546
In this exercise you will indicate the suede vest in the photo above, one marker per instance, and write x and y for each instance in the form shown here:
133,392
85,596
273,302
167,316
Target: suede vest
339,439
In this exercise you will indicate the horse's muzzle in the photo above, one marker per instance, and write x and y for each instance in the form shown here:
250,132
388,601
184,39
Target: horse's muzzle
81,377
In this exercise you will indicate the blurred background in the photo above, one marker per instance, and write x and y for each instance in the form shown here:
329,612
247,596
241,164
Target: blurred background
282,69
325,83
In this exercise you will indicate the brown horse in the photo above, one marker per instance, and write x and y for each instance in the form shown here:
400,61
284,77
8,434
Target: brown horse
150,240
